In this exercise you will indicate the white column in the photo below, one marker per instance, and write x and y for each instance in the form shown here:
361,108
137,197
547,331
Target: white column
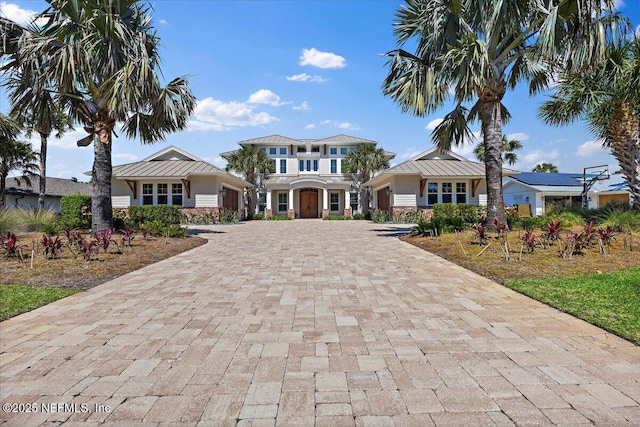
290,199
325,199
268,200
347,200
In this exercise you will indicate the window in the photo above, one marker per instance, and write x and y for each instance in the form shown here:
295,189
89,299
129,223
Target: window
283,150
353,202
301,165
302,149
334,201
333,150
163,194
176,194
262,202
147,194
447,190
461,192
315,165
272,151
308,165
273,164
343,150
282,202
334,166
432,193
264,150
283,165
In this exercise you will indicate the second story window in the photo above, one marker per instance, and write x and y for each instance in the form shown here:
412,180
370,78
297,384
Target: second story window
272,151
315,165
343,150
273,163
334,166
333,150
283,151
301,167
283,165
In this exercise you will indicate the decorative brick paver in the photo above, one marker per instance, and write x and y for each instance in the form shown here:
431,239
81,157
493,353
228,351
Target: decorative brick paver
311,323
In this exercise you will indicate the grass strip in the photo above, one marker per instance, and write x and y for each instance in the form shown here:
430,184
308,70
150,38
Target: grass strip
610,301
17,299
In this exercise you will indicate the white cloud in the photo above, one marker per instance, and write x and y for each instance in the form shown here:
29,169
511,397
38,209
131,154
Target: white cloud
212,114
303,106
217,161
538,156
16,13
340,125
304,77
518,136
310,126
408,153
320,59
590,148
433,124
265,96
163,21
127,156
466,148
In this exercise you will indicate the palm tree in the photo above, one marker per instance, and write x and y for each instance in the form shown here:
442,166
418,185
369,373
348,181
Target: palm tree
102,58
608,98
509,146
253,165
360,165
545,168
474,51
14,155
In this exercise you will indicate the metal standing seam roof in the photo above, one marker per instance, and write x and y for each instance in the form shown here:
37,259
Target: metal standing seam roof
165,168
439,168
279,139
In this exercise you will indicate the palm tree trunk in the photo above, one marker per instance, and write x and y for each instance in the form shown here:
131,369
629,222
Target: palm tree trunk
43,170
624,134
3,185
364,201
492,131
101,211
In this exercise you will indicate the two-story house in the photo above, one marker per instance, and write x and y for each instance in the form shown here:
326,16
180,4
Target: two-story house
308,181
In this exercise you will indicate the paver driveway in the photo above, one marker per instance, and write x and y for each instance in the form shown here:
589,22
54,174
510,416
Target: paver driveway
311,322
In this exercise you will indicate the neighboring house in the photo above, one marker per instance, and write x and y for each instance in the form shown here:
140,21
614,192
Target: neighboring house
26,196
308,181
546,191
174,177
434,176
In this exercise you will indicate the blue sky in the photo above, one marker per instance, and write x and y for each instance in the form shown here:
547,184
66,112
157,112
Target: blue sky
302,69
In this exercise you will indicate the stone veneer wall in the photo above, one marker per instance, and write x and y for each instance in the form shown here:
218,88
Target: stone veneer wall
396,211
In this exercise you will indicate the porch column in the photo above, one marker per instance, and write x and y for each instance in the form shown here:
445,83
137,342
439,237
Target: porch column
325,202
268,210
291,212
347,203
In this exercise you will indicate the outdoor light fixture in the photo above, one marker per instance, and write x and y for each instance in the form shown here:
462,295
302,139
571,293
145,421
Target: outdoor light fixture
388,191
223,192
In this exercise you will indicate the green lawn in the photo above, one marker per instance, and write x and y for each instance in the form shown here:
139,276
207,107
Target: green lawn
611,301
16,299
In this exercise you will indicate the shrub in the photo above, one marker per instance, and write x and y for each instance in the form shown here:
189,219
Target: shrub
471,214
380,216
358,216
174,231
258,216
336,217
278,218
423,226
36,219
228,216
8,220
444,211
76,211
626,221
165,214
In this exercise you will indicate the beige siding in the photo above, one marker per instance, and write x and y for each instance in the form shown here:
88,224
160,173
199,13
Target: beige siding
120,201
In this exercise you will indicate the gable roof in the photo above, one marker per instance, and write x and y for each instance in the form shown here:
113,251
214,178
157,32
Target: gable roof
279,140
163,165
436,163
55,187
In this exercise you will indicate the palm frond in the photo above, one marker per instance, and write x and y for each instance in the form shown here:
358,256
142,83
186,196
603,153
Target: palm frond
453,130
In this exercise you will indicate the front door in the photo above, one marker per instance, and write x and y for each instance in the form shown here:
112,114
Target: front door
308,203
230,199
383,200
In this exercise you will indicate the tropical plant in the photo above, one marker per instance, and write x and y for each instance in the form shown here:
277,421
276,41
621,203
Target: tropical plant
480,233
15,155
127,235
9,246
509,146
254,166
380,216
528,238
607,96
33,103
104,240
102,57
51,245
545,168
474,51
360,165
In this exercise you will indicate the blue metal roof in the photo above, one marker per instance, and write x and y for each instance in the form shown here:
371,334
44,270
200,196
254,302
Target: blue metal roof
537,178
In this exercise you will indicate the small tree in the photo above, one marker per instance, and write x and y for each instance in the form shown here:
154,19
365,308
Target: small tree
254,166
545,168
360,165
509,146
14,155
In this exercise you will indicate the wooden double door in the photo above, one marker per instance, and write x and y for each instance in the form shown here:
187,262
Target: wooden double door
230,199
309,203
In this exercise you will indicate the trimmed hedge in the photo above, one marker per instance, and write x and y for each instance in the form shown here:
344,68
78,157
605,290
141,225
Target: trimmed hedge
75,210
165,214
